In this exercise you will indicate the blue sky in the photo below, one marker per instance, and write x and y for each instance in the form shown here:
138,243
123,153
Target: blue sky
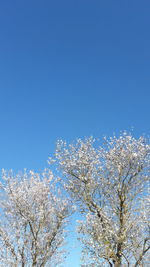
70,69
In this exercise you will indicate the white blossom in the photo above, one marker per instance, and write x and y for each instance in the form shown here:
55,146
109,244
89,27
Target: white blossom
32,222
110,184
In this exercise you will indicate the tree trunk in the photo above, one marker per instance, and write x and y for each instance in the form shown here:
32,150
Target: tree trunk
119,255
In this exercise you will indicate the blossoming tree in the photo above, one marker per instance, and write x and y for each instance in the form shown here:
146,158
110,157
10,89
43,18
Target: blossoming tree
110,184
33,216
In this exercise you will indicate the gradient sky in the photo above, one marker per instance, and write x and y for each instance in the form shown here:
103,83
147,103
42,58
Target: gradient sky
70,69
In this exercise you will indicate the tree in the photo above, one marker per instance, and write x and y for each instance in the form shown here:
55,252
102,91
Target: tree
33,217
110,183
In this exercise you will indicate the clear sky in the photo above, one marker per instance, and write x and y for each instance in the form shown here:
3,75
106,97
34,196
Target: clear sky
70,69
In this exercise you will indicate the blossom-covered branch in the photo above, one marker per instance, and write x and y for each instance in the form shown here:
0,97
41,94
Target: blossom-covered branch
33,218
110,184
